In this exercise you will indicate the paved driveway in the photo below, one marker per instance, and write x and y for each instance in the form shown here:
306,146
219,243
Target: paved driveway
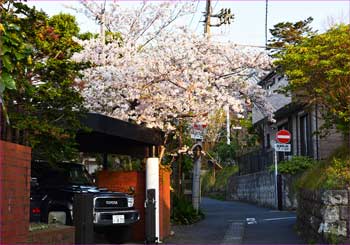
236,222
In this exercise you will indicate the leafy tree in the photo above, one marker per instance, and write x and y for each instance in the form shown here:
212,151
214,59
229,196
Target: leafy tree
14,51
318,70
288,33
46,106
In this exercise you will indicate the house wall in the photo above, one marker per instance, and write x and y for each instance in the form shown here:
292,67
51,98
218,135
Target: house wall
277,100
320,147
329,143
15,192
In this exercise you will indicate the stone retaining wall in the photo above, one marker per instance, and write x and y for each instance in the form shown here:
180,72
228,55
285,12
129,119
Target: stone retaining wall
324,216
259,188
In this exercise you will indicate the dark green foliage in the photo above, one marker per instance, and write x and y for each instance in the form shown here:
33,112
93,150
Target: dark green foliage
45,106
288,33
295,165
318,71
87,36
183,212
224,151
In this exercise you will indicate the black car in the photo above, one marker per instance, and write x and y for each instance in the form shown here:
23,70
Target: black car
52,197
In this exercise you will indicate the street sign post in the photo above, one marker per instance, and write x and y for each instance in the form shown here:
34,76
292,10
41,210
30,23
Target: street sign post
282,147
198,130
283,137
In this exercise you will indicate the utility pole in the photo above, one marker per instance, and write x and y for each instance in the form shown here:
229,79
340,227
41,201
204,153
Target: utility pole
224,17
103,31
207,18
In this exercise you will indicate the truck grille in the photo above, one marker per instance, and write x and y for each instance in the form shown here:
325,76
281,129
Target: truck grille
111,202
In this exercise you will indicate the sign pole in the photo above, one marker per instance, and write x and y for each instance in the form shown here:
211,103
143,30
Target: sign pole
276,172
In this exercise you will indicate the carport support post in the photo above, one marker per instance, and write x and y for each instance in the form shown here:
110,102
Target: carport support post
152,182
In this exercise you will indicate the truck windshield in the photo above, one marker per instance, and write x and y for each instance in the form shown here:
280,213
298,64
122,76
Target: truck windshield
79,176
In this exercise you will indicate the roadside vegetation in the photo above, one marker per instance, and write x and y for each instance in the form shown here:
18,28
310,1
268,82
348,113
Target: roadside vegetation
215,186
317,68
183,212
295,165
333,173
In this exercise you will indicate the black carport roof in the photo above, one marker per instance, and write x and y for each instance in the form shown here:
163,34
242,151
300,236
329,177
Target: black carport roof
110,135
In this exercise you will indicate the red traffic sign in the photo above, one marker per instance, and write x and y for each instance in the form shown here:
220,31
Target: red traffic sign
283,136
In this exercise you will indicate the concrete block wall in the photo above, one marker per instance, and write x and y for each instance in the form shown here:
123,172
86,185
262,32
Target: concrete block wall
15,192
324,216
259,188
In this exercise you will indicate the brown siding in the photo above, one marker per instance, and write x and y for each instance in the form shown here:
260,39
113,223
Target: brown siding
328,144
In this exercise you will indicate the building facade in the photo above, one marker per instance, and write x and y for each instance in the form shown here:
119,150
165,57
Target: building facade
303,122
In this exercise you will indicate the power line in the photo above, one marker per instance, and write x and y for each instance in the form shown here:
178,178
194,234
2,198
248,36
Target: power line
215,5
195,11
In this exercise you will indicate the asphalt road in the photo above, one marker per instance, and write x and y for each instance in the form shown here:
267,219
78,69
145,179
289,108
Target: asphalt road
235,222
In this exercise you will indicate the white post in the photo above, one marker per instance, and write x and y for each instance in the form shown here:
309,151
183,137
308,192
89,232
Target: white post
276,172
152,182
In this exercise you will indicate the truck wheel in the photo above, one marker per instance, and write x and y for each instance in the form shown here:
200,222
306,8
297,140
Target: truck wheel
120,234
57,217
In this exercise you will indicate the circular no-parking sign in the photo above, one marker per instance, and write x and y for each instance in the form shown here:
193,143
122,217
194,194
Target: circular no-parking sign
283,136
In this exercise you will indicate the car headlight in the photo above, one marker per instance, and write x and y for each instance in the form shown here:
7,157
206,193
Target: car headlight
130,202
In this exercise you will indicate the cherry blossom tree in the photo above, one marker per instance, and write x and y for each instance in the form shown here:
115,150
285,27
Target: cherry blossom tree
156,75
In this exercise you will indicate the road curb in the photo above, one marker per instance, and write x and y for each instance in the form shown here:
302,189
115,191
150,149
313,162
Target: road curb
234,233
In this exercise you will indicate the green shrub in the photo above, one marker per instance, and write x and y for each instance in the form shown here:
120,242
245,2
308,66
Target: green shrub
295,165
338,174
333,173
183,212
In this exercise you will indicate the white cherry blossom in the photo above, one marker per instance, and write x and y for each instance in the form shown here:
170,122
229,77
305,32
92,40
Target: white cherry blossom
178,74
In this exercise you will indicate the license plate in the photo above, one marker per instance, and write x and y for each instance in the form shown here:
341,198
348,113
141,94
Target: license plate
118,219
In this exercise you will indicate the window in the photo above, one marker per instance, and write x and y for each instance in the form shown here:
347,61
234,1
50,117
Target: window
268,141
305,135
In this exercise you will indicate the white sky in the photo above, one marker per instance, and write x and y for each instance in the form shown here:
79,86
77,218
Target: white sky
248,26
